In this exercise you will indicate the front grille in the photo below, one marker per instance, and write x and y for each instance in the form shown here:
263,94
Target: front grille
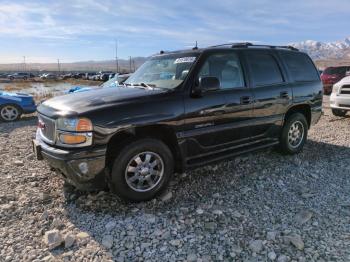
48,130
345,90
343,105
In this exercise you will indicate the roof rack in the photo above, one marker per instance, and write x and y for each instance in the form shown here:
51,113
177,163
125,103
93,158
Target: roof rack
247,44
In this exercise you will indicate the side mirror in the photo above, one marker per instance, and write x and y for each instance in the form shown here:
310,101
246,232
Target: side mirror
204,84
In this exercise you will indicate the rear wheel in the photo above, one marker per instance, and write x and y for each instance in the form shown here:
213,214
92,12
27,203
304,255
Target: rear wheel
294,134
142,170
10,113
339,112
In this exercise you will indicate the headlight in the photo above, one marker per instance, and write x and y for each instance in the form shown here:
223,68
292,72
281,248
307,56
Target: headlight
74,132
335,89
74,124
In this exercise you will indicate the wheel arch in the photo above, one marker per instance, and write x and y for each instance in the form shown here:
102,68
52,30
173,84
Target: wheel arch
161,132
304,109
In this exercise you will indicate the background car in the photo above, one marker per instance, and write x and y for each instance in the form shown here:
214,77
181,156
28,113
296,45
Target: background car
20,75
88,75
332,75
340,97
13,105
49,76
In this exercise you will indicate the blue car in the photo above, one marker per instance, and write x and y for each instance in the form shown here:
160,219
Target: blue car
13,105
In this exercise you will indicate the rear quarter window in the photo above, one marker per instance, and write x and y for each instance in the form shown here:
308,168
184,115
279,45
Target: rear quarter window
300,67
264,69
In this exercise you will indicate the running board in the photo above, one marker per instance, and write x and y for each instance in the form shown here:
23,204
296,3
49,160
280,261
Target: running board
216,157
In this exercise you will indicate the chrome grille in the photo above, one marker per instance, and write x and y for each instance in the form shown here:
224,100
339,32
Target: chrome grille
47,128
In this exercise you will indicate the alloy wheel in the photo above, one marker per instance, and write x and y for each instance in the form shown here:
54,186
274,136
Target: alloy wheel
9,113
144,171
295,134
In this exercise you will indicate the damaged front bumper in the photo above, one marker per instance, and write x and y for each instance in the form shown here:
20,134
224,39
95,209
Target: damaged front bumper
83,168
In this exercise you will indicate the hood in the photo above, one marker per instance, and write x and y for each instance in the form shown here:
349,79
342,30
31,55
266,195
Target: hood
82,102
345,80
20,95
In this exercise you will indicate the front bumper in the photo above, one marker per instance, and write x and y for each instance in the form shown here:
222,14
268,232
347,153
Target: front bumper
83,168
340,101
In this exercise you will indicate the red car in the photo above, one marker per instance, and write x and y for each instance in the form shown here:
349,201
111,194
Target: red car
332,75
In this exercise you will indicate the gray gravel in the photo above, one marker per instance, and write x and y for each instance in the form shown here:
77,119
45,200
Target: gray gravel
257,207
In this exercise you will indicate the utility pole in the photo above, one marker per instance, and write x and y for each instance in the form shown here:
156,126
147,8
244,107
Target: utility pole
24,63
133,65
129,64
58,66
116,55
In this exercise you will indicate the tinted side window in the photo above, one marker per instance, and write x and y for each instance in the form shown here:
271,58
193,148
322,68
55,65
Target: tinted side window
264,69
226,67
300,66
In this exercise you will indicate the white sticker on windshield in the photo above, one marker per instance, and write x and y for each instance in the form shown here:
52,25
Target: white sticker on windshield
189,59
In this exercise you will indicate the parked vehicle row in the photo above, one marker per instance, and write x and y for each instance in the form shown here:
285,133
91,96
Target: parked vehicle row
332,75
100,76
115,81
178,111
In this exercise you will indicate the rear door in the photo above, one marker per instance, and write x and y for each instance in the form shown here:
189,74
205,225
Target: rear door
271,93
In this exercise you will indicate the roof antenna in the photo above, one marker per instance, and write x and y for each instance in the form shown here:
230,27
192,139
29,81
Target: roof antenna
196,47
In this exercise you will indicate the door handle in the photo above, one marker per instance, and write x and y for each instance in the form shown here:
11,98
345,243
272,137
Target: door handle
284,94
246,100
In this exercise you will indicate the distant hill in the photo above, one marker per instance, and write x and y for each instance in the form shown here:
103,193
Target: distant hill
110,65
325,51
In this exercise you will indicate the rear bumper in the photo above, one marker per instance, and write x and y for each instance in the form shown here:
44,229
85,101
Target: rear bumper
340,101
83,168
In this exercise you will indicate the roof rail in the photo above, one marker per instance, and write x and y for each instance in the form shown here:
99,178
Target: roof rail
278,46
247,44
233,44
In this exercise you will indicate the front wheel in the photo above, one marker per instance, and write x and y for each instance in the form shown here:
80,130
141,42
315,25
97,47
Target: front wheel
142,170
10,113
339,112
294,134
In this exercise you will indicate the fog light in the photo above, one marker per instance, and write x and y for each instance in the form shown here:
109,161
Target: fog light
72,139
84,168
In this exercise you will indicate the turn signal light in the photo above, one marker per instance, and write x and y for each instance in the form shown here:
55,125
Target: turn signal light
72,139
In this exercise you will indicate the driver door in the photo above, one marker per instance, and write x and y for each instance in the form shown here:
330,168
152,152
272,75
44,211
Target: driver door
216,120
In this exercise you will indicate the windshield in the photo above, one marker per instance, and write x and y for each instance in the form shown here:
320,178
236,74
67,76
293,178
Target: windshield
166,71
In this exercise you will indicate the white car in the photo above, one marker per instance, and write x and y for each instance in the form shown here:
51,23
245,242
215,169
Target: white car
340,97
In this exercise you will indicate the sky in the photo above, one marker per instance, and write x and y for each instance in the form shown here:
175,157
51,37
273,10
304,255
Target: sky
82,30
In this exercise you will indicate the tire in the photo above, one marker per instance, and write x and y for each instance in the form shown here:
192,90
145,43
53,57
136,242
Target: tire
9,113
25,78
339,112
133,178
294,134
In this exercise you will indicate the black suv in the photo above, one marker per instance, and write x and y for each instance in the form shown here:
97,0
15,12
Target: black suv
178,111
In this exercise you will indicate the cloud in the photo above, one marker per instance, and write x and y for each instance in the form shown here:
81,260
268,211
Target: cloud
146,26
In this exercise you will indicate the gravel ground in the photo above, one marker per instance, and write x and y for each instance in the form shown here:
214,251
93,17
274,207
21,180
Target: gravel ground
257,207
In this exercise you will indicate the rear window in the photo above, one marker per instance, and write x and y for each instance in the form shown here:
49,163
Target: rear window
300,67
264,69
335,70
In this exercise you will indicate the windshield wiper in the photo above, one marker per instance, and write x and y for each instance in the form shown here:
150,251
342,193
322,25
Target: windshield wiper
142,84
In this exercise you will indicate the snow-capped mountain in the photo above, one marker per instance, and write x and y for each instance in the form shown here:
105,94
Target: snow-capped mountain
321,50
